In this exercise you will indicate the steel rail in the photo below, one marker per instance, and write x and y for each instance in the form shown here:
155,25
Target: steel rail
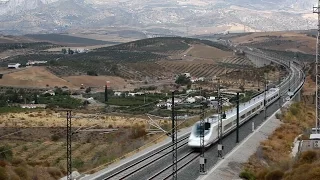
146,158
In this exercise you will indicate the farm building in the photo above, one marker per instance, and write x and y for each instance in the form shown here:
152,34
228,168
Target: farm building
32,106
117,93
13,65
30,63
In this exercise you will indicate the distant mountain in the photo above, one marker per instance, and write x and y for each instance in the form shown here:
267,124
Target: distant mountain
189,16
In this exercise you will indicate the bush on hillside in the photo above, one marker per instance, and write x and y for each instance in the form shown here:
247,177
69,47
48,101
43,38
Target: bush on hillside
5,153
274,175
3,174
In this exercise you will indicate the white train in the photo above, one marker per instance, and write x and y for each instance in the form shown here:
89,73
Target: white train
246,111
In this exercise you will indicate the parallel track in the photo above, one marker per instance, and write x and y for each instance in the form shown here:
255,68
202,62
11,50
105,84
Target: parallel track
146,161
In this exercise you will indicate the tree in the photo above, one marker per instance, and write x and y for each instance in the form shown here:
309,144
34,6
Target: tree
183,80
64,51
92,73
88,90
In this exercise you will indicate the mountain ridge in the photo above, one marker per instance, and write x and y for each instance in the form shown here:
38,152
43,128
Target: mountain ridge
200,16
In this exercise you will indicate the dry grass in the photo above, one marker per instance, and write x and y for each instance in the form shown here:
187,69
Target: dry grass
207,52
58,119
34,77
116,83
274,152
42,157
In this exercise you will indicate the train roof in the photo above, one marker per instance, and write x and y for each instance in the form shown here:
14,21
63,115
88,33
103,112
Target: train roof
243,106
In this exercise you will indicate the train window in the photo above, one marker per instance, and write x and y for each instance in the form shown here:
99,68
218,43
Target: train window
207,126
248,113
228,126
243,116
198,128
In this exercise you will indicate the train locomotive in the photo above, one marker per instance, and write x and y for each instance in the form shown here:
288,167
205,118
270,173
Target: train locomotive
229,122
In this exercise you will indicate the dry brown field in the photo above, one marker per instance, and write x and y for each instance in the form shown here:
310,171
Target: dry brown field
116,83
207,52
38,141
36,77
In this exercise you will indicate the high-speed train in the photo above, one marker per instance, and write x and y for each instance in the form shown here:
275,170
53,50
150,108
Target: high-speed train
246,111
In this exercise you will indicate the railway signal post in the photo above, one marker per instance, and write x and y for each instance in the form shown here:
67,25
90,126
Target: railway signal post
174,141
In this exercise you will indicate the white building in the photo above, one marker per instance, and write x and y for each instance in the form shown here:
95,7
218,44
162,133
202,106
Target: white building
14,65
191,100
117,93
187,74
176,100
30,63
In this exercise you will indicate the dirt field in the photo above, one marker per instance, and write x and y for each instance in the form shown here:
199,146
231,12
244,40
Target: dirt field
116,83
34,77
207,52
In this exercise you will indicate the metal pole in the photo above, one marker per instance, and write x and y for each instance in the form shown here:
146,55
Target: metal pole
238,117
265,98
69,135
173,135
220,146
317,10
106,93
202,126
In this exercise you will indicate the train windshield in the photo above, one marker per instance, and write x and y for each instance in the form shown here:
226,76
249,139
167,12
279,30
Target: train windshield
197,130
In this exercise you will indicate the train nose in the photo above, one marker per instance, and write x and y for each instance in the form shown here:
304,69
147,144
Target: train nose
196,143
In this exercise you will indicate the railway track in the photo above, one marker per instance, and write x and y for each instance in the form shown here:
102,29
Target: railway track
146,161
166,173
157,165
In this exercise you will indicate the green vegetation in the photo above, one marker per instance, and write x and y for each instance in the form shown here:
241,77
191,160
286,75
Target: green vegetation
183,80
62,101
246,174
300,56
61,38
6,153
35,46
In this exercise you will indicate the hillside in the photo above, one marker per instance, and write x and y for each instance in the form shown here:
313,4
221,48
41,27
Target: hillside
147,60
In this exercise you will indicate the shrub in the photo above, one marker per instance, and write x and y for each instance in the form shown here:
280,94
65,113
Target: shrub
21,172
274,175
308,157
55,137
54,172
77,163
16,161
247,175
137,132
3,163
3,174
5,153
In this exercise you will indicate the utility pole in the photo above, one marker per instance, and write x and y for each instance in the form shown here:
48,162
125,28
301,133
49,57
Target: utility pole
220,146
317,11
265,97
202,129
106,92
69,136
174,141
237,141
